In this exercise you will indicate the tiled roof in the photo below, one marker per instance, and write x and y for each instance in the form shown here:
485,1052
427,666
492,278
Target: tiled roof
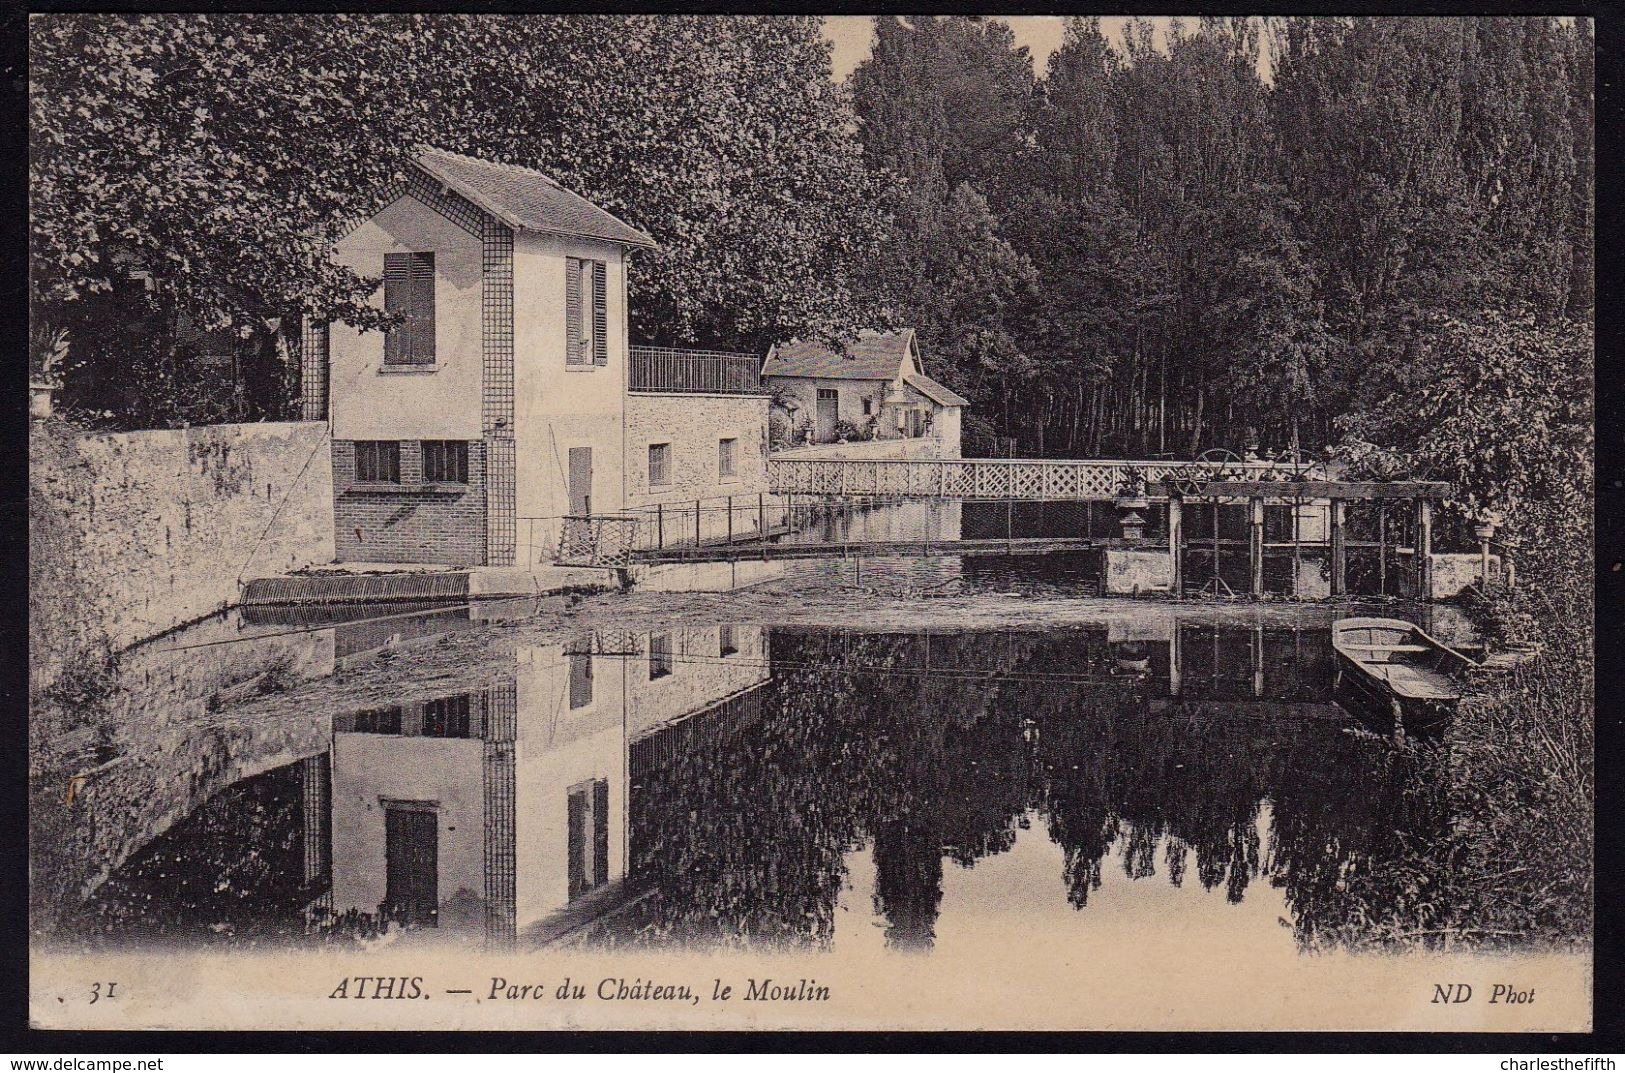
527,200
871,356
934,391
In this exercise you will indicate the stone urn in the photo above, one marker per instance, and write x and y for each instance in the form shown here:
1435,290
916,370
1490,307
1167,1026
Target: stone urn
1484,531
1130,502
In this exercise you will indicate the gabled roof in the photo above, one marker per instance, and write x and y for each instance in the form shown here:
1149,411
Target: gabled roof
527,200
934,391
871,356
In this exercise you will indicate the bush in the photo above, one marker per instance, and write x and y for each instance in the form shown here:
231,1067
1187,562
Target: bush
779,430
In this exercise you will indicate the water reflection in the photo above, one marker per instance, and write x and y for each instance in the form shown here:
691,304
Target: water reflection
714,786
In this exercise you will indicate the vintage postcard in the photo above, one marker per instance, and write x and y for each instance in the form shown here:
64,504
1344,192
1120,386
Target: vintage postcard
791,522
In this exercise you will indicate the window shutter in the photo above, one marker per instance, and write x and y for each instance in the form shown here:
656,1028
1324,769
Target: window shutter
397,299
422,312
572,312
576,848
600,833
600,315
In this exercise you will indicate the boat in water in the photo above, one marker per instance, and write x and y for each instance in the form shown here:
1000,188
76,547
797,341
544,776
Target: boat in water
1399,671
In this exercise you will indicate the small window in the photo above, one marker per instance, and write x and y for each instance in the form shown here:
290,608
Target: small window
829,394
445,461
725,456
376,721
378,460
659,463
409,291
659,655
446,717
580,679
868,407
726,646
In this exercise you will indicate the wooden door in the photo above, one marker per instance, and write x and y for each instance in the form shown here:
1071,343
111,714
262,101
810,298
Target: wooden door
829,406
412,866
581,481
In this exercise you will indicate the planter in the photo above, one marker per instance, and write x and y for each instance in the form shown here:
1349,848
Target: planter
41,398
1484,532
1133,503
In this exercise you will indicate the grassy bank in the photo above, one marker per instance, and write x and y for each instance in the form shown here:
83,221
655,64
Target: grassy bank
1518,768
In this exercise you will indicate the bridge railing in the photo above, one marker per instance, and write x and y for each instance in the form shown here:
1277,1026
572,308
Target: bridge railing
985,478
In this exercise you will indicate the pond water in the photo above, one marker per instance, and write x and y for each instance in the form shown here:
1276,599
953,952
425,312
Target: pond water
619,781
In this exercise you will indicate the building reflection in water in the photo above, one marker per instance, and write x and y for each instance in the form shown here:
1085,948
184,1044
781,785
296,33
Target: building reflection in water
711,786
505,812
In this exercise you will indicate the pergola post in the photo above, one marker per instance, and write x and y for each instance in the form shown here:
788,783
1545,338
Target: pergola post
1255,543
1339,521
1176,527
1258,659
1424,548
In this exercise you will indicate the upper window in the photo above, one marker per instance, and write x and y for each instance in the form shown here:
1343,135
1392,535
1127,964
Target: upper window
586,312
726,645
409,291
445,461
725,456
868,407
659,463
378,460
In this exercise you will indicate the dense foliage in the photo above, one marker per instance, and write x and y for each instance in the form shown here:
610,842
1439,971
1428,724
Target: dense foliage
1297,229
219,157
1218,251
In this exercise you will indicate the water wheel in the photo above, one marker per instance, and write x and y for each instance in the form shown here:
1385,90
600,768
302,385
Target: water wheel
1213,464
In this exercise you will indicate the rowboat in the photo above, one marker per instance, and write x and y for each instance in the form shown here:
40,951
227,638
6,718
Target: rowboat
1391,662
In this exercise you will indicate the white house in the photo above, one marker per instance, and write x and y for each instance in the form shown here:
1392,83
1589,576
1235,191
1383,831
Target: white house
502,404
877,388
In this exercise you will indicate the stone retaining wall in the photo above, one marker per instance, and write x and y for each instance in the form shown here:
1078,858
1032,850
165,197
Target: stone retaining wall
135,533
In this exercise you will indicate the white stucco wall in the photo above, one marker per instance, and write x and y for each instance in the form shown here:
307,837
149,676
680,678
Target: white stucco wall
439,402
448,771
556,748
558,406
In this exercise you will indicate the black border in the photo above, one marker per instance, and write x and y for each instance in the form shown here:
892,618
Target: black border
1608,1034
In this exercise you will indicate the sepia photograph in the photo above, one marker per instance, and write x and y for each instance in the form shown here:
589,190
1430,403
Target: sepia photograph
789,522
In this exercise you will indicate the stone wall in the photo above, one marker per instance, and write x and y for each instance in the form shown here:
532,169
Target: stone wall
927,446
693,425
412,522
135,533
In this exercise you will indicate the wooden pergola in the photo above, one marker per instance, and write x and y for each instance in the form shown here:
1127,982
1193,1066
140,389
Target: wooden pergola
1420,495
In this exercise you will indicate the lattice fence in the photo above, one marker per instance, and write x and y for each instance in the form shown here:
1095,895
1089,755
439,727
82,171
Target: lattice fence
1035,479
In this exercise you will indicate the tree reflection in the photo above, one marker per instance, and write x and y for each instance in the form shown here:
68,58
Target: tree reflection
932,747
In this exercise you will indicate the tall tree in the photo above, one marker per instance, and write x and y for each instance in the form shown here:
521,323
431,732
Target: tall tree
942,106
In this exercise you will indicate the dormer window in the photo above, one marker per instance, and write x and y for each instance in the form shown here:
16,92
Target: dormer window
586,312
